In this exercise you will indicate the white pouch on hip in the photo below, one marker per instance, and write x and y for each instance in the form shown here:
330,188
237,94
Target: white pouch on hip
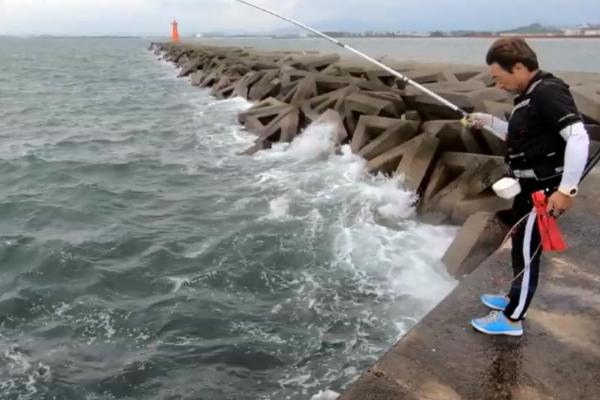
507,188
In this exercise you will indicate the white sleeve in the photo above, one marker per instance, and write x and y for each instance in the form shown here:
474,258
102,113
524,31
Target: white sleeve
492,124
499,127
576,155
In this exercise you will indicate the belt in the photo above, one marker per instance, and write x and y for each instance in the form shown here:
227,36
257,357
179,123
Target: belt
524,173
530,173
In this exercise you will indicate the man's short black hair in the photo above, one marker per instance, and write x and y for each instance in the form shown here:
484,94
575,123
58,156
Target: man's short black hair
509,51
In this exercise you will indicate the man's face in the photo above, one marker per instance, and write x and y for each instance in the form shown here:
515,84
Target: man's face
514,81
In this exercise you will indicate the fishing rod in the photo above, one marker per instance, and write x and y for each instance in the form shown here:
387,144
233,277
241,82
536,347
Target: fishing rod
592,162
589,166
364,56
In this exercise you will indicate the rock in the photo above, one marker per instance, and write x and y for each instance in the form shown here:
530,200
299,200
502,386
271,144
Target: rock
224,88
244,85
268,85
478,97
412,159
364,103
417,163
587,99
226,92
455,87
190,67
469,74
594,148
299,91
291,76
479,237
451,166
262,112
181,58
272,120
460,186
428,75
315,62
212,77
335,100
284,129
376,135
384,78
453,136
334,119
412,115
258,146
389,139
196,78
485,77
593,132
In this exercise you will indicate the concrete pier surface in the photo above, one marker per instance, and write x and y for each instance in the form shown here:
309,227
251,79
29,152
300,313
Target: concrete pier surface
558,357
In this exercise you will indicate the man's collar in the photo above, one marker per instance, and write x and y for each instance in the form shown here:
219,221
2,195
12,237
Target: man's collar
533,82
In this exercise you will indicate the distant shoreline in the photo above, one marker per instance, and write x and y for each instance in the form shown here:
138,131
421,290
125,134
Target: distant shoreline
68,37
526,36
396,37
523,36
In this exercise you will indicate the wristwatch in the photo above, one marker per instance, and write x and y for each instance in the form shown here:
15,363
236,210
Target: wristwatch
571,192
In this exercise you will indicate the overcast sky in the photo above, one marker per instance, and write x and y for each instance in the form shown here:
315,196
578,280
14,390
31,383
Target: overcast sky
149,17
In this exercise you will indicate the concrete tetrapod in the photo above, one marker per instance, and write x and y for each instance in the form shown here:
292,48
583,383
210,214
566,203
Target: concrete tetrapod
477,239
314,107
365,103
376,135
460,186
412,160
587,99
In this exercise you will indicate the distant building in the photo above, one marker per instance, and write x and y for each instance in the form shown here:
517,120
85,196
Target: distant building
526,34
583,30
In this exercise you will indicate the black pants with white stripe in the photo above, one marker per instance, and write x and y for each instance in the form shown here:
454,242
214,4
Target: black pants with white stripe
526,250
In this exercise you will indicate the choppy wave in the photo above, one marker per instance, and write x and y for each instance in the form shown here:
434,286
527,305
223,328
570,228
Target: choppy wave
141,257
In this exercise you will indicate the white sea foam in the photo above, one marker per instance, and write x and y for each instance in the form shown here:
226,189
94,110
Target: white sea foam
178,282
370,223
279,208
19,371
374,224
325,395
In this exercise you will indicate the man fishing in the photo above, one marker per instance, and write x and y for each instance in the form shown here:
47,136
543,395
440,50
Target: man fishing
547,149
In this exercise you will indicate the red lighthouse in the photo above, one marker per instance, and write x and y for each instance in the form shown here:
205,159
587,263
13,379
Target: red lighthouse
174,32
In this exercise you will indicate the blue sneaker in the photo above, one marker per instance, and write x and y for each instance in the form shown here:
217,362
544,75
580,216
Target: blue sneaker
496,302
497,324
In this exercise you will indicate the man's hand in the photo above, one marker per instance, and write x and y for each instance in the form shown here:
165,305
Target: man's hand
558,203
479,120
